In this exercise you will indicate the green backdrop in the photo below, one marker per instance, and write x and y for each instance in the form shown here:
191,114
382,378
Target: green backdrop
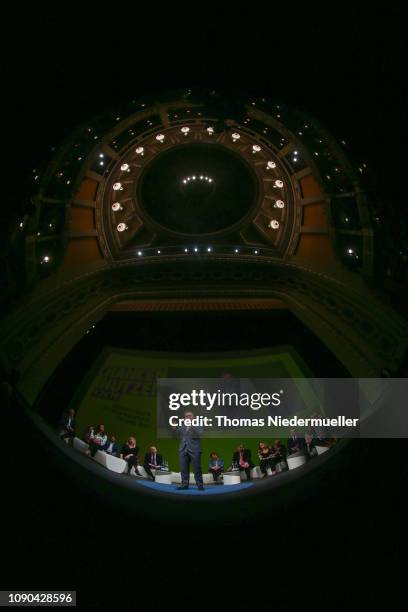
120,391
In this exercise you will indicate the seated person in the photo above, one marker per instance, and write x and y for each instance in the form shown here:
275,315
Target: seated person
215,467
278,453
265,458
111,447
241,459
97,440
310,446
129,453
321,439
296,444
152,461
68,427
88,434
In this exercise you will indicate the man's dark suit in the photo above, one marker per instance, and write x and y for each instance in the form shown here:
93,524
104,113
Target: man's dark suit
190,452
246,457
149,460
115,448
295,445
68,424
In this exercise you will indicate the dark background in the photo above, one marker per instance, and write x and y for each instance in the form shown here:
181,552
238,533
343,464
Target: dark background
347,68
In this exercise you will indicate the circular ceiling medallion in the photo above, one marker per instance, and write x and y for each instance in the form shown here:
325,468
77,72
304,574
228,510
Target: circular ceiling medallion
197,188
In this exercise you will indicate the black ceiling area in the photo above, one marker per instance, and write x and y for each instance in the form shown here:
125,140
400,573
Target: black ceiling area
197,189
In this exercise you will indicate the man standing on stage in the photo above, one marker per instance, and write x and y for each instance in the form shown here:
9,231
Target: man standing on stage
190,452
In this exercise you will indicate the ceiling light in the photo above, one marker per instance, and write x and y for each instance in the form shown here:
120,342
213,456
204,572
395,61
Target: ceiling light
270,165
185,130
116,206
279,204
235,136
256,148
278,183
117,187
125,168
121,227
139,151
210,131
160,137
274,224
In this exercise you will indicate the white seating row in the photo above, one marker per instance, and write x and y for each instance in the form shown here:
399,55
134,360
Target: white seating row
115,464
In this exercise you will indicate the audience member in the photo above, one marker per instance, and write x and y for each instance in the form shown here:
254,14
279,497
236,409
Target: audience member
129,453
296,444
111,447
68,426
241,459
88,434
310,446
278,454
152,461
265,458
216,467
97,441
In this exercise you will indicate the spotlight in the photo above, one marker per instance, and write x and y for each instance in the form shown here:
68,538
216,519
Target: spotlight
270,165
235,136
125,168
274,224
209,249
139,253
140,151
116,206
117,187
121,227
160,138
256,148
279,204
185,130
278,183
210,131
